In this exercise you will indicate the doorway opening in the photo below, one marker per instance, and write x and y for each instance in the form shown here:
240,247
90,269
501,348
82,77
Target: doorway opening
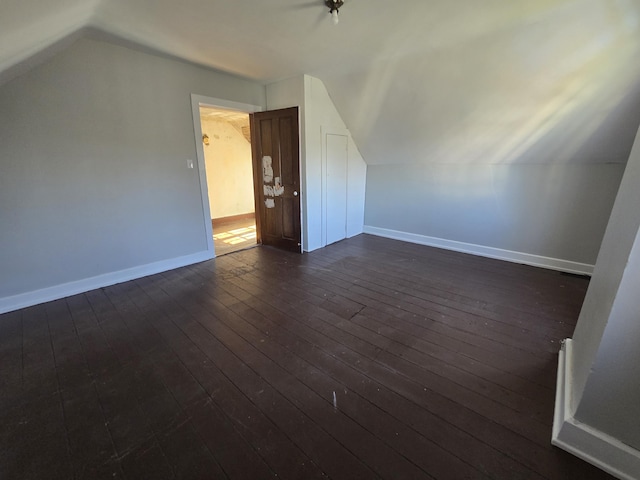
226,142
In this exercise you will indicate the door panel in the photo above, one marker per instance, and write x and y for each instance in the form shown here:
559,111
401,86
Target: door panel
336,187
275,145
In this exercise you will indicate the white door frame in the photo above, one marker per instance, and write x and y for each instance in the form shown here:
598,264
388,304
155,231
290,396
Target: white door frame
198,101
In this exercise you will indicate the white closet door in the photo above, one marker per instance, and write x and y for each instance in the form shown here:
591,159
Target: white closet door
336,187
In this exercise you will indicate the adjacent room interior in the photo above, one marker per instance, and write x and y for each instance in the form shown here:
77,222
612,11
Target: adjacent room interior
460,205
226,140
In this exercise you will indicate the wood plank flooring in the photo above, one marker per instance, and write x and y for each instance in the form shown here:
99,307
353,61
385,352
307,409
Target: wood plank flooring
234,235
368,359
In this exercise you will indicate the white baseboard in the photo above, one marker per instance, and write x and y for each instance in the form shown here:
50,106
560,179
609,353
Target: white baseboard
583,441
15,302
481,250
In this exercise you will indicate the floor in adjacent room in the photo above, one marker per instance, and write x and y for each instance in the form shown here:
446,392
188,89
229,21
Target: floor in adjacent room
370,358
229,237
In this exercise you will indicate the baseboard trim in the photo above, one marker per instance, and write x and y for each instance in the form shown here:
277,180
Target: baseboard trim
583,441
483,251
16,302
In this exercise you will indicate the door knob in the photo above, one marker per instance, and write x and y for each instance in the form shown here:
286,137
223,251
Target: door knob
295,194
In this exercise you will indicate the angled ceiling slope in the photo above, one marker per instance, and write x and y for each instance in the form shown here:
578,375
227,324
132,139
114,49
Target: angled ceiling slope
27,29
496,82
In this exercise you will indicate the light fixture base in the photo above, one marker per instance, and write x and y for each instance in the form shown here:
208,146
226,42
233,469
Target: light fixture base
333,5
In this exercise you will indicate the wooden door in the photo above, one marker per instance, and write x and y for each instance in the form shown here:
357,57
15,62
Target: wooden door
276,172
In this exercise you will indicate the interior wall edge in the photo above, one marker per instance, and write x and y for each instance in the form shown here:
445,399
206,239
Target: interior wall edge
582,440
56,292
484,251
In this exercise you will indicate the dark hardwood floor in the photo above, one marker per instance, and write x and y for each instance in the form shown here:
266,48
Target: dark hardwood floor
368,359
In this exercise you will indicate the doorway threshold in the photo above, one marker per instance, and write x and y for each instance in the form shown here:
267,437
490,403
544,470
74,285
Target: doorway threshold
249,247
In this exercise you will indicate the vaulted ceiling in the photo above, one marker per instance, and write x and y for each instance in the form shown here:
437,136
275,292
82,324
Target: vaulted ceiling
447,81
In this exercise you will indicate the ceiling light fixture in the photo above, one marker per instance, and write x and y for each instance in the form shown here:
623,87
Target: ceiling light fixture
334,6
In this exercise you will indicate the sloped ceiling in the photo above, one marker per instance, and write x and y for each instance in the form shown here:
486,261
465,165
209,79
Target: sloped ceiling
465,81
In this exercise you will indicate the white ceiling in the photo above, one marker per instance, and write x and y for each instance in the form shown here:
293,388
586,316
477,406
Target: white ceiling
464,81
238,120
229,116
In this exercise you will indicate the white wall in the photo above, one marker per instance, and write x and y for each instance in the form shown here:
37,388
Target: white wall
610,267
611,398
598,399
552,212
229,169
317,112
356,189
605,343
321,116
93,167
